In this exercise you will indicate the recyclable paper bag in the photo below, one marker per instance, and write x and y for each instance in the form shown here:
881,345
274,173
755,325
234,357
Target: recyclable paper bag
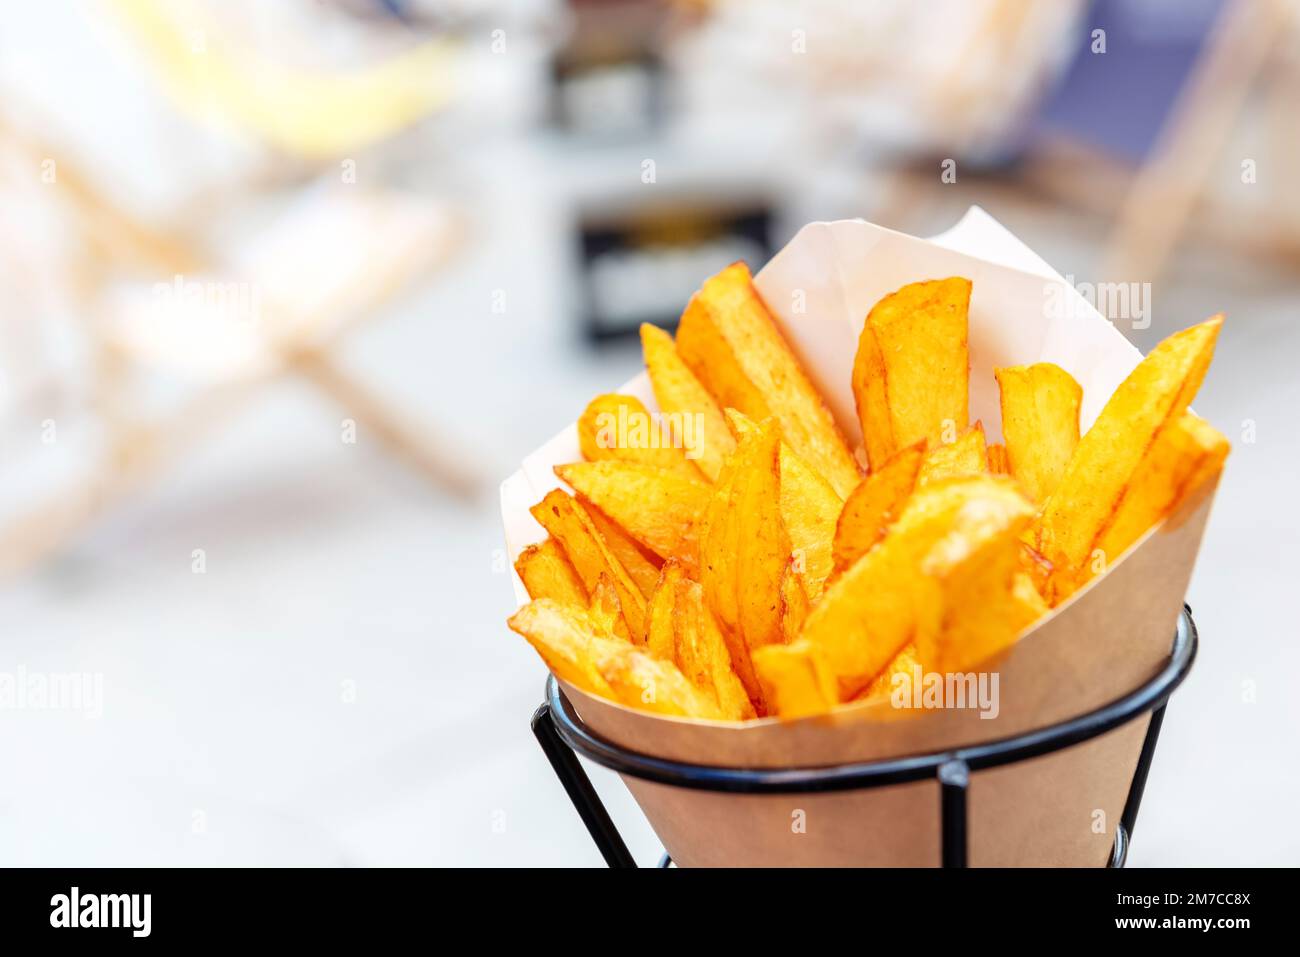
1106,640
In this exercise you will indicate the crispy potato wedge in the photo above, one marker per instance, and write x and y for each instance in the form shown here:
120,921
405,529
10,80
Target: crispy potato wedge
863,620
874,505
1146,404
796,681
693,417
615,426
983,612
809,508
998,463
904,663
730,342
898,592
696,630
604,607
661,639
1040,423
562,635
912,369
546,573
1179,463
641,681
580,650
1025,594
1033,563
745,550
570,525
967,455
658,509
642,565
794,604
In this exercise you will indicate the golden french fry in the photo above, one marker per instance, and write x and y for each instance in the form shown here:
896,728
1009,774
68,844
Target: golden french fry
694,418
1178,464
570,525
745,551
615,426
640,681
730,342
874,504
983,612
896,592
546,573
697,630
794,604
904,663
604,607
562,635
809,508
1033,563
1109,454
796,681
912,369
660,636
1025,594
1040,423
863,620
658,509
642,566
998,464
967,455
580,650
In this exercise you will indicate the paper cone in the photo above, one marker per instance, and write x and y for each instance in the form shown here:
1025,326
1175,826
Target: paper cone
1108,639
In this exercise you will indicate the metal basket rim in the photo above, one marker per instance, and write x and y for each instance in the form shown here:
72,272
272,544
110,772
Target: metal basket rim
1147,697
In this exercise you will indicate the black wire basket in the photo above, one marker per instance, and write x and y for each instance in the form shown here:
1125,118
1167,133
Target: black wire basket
563,735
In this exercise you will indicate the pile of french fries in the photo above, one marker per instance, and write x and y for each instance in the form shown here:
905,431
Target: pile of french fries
728,559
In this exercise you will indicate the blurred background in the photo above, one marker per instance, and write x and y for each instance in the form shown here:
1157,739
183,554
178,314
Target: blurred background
288,288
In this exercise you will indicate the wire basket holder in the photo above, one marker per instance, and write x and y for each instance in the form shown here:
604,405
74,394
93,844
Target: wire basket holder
563,735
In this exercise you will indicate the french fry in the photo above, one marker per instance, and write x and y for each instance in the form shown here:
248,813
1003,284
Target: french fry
1178,464
744,552
546,573
570,525
794,604
604,607
912,368
728,339
1040,422
642,566
1033,563
796,681
640,681
998,464
615,426
694,418
579,649
809,508
984,614
658,509
562,635
696,629
1146,404
904,663
899,591
863,620
874,504
966,455
660,636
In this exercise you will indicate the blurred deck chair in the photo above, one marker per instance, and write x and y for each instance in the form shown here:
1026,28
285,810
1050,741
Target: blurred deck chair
1155,161
243,315
1248,37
